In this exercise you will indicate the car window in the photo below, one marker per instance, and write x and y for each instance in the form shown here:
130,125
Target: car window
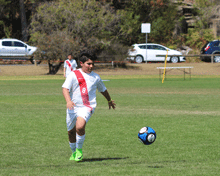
19,44
215,44
7,43
159,47
150,46
156,47
142,46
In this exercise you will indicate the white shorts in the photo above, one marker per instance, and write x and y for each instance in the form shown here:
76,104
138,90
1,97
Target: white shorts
71,116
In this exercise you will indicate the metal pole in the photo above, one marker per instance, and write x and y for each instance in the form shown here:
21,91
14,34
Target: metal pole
212,59
146,48
184,73
190,72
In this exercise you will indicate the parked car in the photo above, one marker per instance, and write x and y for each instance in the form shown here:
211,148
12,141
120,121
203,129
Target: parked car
212,47
154,52
16,49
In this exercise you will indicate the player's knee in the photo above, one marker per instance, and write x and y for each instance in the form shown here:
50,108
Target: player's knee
70,132
80,131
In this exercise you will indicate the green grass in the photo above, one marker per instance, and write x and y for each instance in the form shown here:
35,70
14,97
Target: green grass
185,115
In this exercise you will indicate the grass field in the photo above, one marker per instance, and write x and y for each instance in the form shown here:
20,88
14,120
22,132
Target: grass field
185,115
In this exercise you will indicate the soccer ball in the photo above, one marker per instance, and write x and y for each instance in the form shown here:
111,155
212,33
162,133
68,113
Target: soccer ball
147,135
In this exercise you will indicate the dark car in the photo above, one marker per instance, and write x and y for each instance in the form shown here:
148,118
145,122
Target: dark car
212,47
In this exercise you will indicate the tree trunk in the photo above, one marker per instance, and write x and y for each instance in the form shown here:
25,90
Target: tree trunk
24,30
53,68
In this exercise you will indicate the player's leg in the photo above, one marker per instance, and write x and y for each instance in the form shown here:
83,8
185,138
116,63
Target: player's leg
72,135
80,137
80,126
71,127
83,116
72,142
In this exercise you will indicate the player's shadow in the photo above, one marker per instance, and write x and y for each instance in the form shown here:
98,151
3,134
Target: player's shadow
100,159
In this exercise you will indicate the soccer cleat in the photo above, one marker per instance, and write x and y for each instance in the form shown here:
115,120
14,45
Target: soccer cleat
79,155
73,156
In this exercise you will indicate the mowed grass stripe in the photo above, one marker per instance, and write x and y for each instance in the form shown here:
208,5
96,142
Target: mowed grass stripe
112,76
185,115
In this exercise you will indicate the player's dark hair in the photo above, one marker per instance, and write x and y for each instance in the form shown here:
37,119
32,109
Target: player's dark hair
85,56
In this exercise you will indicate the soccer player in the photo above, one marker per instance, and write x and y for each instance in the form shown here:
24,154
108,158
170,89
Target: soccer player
79,91
69,65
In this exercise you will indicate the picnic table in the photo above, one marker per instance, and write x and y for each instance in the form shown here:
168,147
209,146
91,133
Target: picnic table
168,69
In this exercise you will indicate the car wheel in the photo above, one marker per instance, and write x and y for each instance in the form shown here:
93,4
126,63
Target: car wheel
217,59
174,59
138,59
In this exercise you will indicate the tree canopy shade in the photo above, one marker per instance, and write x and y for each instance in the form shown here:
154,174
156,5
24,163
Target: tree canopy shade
160,13
72,26
14,17
8,18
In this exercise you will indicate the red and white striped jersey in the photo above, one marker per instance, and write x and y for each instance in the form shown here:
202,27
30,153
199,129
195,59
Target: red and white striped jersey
70,66
82,87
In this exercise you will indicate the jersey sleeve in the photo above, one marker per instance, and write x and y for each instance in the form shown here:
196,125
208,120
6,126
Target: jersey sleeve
69,81
64,65
101,86
76,64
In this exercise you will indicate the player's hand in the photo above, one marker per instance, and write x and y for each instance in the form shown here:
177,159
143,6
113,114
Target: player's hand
70,105
111,104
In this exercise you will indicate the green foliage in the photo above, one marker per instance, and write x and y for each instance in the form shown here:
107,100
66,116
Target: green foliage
115,51
4,14
132,17
64,26
60,26
161,14
195,40
10,18
4,2
204,9
163,24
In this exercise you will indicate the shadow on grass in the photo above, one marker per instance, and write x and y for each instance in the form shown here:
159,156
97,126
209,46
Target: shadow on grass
100,159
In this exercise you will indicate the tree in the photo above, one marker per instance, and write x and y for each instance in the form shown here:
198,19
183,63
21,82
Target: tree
5,29
24,30
201,33
15,17
160,13
72,26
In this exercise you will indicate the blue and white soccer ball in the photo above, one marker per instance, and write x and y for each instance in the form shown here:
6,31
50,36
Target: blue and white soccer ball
147,135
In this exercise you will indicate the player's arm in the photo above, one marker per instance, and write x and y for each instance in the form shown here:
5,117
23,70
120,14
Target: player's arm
108,98
64,72
69,104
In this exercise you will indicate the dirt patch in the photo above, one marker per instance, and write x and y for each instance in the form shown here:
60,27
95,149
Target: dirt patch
131,69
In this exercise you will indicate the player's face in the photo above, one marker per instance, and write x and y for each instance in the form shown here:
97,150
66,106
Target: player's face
70,57
87,66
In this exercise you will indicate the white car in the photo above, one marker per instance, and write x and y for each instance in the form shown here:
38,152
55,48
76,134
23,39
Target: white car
155,52
14,47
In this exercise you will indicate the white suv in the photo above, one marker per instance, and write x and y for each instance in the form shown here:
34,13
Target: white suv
155,52
14,47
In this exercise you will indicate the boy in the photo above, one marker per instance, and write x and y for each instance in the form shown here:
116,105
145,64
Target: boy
69,65
79,91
